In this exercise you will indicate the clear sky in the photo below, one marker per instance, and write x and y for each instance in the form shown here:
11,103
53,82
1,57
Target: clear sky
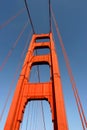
71,16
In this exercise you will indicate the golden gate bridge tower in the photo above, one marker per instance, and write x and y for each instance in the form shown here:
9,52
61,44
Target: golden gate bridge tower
50,91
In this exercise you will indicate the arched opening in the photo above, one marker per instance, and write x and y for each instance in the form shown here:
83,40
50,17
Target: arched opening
37,116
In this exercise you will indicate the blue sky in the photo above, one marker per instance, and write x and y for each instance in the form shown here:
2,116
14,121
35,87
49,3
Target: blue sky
71,16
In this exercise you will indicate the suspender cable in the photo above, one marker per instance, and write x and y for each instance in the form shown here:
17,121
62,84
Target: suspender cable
27,118
38,73
77,98
32,116
29,16
13,47
11,19
43,115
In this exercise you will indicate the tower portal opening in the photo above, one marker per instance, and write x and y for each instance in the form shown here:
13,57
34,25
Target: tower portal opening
37,116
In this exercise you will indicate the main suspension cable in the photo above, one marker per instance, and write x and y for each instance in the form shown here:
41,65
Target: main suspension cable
13,47
77,98
26,5
30,15
50,15
11,19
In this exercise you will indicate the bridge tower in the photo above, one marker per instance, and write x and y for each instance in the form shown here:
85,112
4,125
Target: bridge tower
50,91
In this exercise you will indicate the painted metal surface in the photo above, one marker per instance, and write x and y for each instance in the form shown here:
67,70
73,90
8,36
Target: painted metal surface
50,91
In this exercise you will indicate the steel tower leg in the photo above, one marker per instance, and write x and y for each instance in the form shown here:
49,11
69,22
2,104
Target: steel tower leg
50,91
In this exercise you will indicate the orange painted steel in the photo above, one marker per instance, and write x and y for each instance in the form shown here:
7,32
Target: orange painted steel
50,91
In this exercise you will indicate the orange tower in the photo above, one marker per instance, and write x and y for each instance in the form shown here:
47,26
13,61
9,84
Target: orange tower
50,91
